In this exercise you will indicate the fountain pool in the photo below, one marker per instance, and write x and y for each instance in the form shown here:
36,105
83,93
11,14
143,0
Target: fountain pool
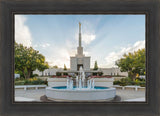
83,90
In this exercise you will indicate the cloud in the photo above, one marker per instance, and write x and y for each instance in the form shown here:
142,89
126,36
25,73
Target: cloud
88,38
44,45
59,54
22,32
86,53
114,56
59,57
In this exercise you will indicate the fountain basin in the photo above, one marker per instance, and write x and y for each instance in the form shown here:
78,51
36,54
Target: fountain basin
84,94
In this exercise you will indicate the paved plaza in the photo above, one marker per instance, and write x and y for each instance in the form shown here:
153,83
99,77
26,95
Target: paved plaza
126,95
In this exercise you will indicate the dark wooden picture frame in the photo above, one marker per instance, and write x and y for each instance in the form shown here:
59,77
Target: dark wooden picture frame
148,7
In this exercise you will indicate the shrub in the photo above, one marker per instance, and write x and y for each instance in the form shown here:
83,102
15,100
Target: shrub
116,83
65,73
142,84
26,82
140,79
132,83
128,81
34,81
46,82
137,82
94,74
19,82
30,81
123,82
19,79
100,73
58,74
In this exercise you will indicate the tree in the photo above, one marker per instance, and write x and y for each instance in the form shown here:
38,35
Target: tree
65,68
55,66
95,66
27,60
133,63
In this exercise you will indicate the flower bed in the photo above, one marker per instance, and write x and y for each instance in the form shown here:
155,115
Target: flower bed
128,81
101,76
31,81
64,76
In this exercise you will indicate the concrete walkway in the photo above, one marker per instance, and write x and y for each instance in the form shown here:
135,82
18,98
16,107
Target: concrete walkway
124,94
137,99
19,99
130,94
31,94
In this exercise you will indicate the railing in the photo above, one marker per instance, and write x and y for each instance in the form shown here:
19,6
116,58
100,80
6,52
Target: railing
128,86
29,86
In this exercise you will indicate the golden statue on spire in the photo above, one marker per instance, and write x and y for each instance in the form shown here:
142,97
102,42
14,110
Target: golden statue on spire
79,24
79,27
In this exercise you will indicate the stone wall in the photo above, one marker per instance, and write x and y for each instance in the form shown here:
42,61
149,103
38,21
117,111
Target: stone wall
106,71
97,79
57,82
113,71
107,82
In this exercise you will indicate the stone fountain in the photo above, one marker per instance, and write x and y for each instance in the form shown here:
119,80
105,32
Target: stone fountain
81,91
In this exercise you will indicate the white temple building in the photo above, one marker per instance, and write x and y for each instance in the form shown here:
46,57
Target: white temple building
80,60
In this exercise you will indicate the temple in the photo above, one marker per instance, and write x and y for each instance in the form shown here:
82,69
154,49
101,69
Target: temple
80,59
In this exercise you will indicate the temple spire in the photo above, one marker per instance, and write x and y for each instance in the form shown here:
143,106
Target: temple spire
79,34
80,48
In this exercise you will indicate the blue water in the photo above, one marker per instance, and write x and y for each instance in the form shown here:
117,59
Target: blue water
64,87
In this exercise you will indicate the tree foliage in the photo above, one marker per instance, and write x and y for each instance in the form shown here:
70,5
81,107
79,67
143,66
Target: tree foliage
95,66
65,68
133,63
55,66
27,60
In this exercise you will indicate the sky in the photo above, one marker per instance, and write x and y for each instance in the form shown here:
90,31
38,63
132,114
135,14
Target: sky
104,37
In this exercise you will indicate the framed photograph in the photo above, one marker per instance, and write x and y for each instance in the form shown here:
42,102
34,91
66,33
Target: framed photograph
89,71
79,58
